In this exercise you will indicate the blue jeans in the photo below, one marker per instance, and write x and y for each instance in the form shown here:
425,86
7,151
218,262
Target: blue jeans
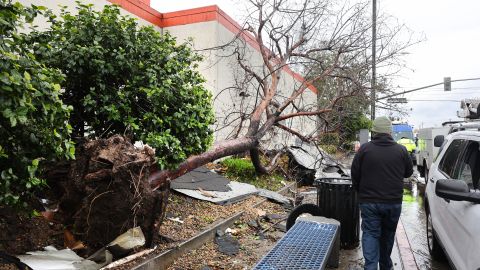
379,223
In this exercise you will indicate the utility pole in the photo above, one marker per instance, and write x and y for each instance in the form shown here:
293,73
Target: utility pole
373,96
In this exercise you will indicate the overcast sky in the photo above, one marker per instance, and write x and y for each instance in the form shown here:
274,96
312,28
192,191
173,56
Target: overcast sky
451,49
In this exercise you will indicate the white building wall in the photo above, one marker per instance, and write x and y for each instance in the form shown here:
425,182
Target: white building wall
222,73
55,6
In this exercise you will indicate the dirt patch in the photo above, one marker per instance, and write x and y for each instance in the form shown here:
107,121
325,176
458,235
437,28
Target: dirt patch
255,241
196,216
19,233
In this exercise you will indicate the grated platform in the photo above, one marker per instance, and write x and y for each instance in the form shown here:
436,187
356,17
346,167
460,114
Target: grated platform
307,246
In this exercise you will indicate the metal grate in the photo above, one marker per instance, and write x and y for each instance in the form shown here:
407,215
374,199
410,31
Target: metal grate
306,245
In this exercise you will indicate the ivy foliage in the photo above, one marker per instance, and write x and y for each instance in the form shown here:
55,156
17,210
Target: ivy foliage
33,118
125,79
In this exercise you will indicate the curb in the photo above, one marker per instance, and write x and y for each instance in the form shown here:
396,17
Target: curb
407,258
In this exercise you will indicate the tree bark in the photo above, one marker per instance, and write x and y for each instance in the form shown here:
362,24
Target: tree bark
255,156
219,150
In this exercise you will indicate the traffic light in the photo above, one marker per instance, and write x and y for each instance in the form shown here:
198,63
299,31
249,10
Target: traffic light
447,84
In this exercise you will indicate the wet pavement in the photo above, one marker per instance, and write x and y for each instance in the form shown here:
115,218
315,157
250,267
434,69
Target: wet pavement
414,223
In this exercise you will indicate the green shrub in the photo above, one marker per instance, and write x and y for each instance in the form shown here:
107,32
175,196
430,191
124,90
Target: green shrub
239,168
126,79
33,120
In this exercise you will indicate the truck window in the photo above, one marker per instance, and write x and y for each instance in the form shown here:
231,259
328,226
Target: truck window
449,159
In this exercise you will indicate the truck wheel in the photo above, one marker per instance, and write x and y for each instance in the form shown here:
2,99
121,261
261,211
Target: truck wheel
433,244
308,208
421,171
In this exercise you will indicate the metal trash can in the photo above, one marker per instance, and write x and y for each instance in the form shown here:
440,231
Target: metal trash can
337,199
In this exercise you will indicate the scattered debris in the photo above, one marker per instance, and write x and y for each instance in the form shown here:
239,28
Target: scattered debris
51,258
202,179
281,226
309,162
272,217
239,191
230,231
70,241
227,244
273,196
123,244
176,220
206,193
261,212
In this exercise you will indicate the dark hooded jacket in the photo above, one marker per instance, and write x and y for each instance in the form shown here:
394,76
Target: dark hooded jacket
379,168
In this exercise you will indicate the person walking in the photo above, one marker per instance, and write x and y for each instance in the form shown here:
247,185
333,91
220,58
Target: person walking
378,170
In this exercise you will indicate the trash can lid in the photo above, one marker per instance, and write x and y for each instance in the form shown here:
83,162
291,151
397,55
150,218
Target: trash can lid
334,180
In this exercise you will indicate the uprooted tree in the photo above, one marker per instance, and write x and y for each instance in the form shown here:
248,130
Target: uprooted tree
95,74
323,40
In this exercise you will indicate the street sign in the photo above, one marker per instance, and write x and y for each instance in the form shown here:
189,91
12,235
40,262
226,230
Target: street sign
397,100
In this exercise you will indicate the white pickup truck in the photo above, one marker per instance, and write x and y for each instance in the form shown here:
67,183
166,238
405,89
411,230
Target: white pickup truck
427,152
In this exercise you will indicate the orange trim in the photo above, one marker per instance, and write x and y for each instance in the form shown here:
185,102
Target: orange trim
142,9
196,15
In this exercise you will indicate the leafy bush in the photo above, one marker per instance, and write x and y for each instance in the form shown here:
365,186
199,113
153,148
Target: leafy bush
239,167
33,119
126,79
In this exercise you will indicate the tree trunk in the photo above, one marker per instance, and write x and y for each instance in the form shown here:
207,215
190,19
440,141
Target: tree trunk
255,156
219,150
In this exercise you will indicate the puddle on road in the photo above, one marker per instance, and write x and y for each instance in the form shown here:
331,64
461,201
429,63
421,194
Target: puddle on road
413,218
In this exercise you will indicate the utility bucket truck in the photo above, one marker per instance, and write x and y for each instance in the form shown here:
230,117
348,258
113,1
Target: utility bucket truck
426,150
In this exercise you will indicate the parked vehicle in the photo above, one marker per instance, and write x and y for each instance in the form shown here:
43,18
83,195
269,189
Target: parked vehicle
452,200
403,134
426,151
